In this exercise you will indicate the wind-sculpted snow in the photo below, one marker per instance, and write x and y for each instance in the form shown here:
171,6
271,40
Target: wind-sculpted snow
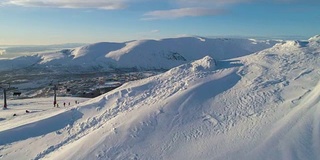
315,38
260,106
140,54
297,135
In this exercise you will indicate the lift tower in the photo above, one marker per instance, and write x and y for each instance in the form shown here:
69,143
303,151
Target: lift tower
55,88
5,87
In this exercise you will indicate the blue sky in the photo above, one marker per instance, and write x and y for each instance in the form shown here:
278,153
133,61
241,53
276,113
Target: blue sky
83,21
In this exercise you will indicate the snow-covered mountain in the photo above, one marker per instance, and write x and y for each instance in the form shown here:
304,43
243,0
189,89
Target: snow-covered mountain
259,106
140,54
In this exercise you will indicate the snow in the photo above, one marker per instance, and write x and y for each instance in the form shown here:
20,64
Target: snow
2,52
40,108
264,105
202,39
19,62
50,56
315,38
139,54
117,54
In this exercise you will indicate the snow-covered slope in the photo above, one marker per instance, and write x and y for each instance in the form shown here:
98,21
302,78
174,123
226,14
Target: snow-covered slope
260,106
140,54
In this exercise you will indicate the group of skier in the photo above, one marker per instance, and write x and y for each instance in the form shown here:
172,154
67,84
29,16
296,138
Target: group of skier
64,103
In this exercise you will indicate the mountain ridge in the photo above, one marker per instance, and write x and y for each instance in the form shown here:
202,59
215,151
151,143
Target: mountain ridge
259,106
139,54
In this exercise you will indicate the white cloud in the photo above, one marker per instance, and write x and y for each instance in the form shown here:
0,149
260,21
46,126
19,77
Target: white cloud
181,12
100,4
150,34
209,3
155,31
229,2
147,34
194,8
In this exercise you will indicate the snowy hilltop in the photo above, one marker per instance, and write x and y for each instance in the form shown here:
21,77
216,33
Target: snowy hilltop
264,105
139,54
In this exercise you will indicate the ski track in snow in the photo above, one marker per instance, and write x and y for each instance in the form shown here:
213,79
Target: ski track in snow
160,88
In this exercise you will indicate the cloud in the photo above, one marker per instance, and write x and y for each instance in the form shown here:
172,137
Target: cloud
181,12
229,2
155,31
192,8
195,8
149,34
99,4
209,3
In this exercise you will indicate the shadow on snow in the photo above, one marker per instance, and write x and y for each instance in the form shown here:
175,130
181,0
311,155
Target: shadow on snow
39,128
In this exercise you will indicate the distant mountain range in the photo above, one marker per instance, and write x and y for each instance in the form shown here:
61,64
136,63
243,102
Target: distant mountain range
138,55
141,54
11,51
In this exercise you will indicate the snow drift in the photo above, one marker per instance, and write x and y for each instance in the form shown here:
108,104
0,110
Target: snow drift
260,106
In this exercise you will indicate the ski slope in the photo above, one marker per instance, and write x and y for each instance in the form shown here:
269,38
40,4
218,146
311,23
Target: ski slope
258,106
